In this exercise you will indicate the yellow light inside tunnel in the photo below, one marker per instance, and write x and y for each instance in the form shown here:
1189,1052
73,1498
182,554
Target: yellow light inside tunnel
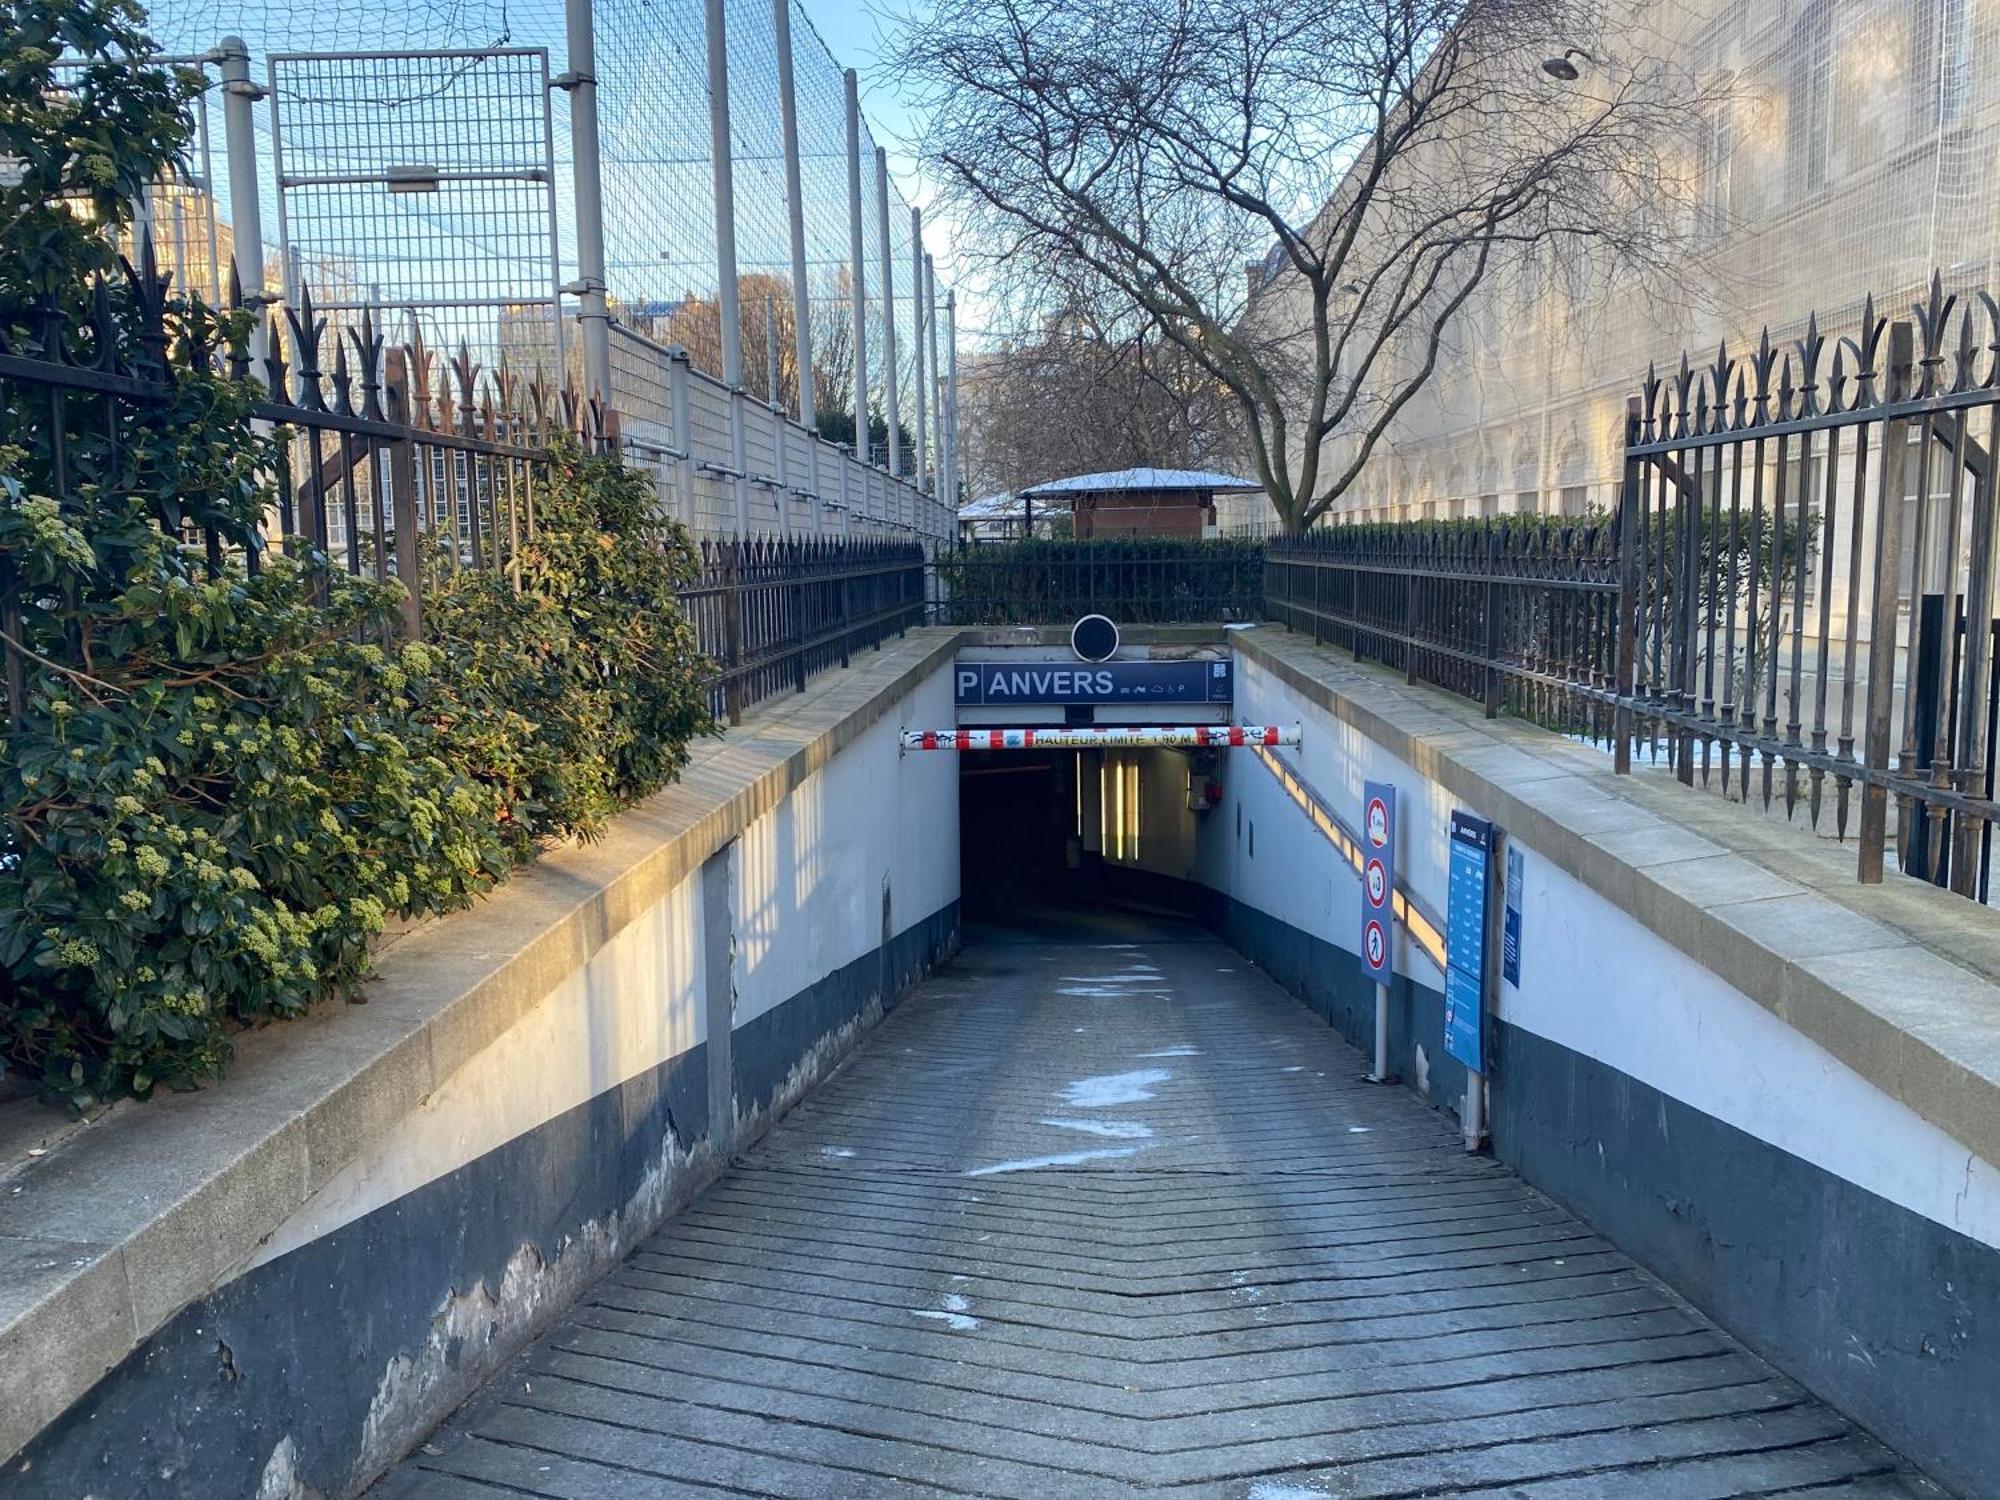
1423,932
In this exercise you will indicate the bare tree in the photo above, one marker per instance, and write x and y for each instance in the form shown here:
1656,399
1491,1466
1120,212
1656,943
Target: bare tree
1369,162
1072,398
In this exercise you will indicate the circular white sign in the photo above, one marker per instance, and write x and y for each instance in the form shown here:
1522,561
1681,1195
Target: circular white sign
1378,884
1377,943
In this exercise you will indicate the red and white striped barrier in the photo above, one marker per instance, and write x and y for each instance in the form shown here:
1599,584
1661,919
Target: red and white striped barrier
1104,737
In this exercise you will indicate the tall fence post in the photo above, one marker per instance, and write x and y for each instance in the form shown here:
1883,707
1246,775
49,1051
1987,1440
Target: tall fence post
891,408
403,494
802,338
1884,615
920,459
1625,661
593,312
1490,605
857,274
239,135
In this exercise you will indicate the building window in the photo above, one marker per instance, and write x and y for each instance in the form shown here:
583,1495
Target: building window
1940,58
1575,499
1809,99
1718,150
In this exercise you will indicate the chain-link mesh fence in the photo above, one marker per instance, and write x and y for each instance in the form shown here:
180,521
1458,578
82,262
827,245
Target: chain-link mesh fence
465,255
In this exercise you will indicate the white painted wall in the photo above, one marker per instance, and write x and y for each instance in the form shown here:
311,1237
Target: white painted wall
1592,978
807,892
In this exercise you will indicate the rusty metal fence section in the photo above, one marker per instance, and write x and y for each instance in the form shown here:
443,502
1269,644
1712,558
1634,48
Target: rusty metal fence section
393,462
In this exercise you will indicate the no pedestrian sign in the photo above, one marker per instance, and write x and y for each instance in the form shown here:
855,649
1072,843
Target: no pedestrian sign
1378,881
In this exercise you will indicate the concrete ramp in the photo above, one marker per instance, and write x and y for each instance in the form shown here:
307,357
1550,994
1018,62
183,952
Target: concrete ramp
1102,1210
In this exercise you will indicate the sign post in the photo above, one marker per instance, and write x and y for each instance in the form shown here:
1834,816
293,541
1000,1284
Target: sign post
1469,885
1378,915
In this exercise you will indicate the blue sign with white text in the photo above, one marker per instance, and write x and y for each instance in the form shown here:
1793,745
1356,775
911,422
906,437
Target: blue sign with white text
991,684
1468,890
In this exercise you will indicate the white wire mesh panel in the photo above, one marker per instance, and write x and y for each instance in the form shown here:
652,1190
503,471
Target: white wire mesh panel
422,181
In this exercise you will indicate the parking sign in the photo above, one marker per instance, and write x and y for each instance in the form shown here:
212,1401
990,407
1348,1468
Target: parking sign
1378,881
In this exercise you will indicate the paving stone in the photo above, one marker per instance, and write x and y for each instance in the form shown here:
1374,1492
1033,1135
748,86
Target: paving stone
1101,1217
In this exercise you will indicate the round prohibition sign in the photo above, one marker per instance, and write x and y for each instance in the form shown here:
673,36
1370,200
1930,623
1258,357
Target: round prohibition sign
1376,941
1378,822
1378,884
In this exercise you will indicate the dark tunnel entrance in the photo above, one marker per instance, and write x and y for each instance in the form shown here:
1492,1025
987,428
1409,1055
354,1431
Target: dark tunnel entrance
1046,832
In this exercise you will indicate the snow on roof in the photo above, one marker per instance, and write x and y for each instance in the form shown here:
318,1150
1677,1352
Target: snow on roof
998,507
1141,479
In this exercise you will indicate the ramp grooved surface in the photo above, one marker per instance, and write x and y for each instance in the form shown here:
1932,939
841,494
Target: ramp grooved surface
1100,1211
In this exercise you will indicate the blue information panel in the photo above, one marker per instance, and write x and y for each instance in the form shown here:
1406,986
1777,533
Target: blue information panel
991,684
1468,890
1510,934
1378,881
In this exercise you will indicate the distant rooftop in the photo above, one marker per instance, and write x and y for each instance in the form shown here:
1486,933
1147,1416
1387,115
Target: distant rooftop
1001,507
1140,479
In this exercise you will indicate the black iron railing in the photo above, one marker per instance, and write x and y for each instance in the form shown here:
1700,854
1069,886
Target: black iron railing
1138,581
1518,614
391,462
772,613
1794,602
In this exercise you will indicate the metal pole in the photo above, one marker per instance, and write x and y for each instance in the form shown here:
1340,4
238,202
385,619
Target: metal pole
1381,1070
936,375
727,307
593,313
919,333
951,399
239,136
725,197
856,274
889,403
788,115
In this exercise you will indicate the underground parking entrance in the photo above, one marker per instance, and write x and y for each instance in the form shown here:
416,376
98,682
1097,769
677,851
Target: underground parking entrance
1100,1208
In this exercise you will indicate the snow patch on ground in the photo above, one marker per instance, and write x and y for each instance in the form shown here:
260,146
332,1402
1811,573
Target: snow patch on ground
843,1152
1183,1050
1115,1088
1282,1489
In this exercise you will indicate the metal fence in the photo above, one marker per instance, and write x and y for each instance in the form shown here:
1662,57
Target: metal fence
1518,614
1794,604
1154,581
391,462
770,614
547,174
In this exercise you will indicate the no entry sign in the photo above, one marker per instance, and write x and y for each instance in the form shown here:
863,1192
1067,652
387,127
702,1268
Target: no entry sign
1378,880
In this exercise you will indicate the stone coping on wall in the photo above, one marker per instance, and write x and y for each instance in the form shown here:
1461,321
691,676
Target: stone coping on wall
114,1225
1900,981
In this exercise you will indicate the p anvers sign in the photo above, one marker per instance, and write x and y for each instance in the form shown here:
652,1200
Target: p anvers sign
988,684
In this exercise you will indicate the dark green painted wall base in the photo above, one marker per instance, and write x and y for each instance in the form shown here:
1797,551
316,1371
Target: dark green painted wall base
298,1347
1888,1315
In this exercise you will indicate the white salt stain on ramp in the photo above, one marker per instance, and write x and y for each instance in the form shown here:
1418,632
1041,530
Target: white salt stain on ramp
1061,1159
1280,1489
1183,1050
1107,1089
1117,1130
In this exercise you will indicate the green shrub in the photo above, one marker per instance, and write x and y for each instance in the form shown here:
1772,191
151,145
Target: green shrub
221,780
575,685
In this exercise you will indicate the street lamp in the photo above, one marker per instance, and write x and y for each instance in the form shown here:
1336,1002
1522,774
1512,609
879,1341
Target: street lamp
1564,69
